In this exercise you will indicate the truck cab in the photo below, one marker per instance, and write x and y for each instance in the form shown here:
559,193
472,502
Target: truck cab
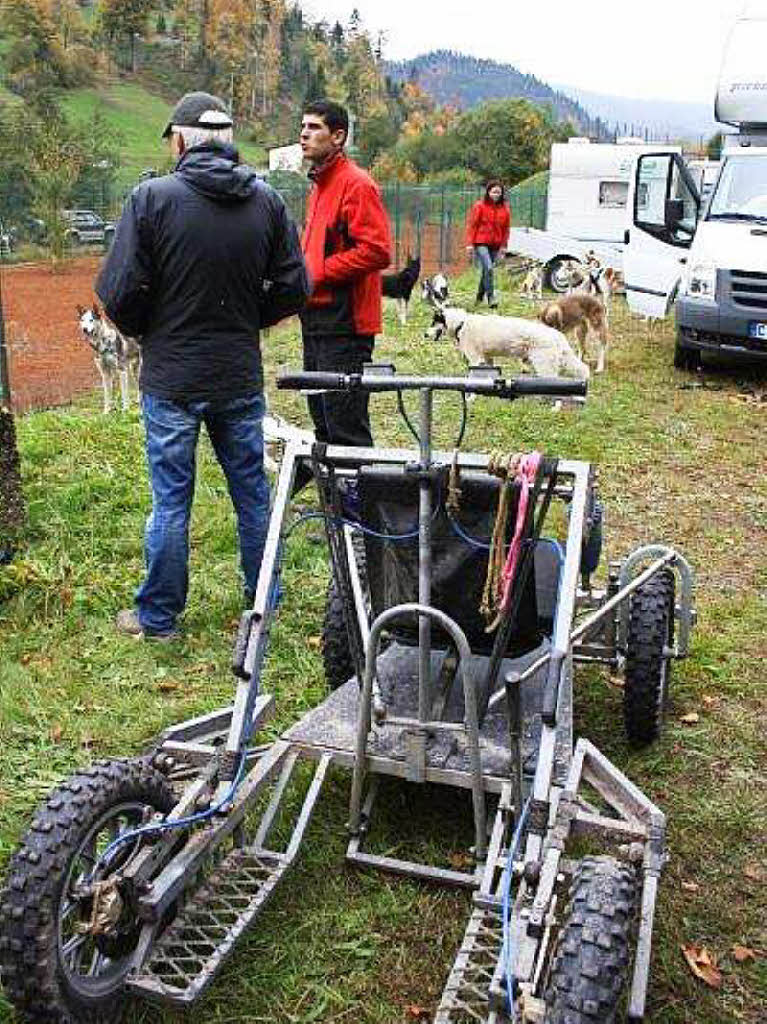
709,258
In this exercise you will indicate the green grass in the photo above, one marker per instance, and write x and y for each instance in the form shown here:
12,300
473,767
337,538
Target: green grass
681,459
139,117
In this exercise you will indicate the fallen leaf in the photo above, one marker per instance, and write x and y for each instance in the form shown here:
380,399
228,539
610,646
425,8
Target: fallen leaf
168,686
743,953
314,641
709,701
415,1012
753,872
691,718
703,965
460,861
56,732
690,886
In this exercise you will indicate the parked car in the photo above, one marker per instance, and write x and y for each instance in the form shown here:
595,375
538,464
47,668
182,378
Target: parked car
26,228
84,227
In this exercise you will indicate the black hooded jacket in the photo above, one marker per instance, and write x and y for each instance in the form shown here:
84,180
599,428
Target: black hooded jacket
202,258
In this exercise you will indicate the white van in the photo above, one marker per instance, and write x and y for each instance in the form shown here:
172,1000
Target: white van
709,259
587,204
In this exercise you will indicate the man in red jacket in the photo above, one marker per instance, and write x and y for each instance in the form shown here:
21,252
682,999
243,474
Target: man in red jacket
346,244
487,233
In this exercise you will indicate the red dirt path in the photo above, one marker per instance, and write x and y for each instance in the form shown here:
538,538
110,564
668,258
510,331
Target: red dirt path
49,361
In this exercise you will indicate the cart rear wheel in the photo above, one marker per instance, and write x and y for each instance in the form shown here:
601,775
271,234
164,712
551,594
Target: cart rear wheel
591,956
336,654
53,967
648,668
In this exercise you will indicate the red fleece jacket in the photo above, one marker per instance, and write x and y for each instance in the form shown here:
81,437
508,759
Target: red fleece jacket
347,242
489,224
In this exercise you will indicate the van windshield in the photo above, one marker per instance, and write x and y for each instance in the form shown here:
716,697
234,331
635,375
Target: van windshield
741,192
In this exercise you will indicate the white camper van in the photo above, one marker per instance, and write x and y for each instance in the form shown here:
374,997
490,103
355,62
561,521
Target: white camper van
710,257
589,185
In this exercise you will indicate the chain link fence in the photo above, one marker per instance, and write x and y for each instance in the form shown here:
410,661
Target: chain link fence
426,220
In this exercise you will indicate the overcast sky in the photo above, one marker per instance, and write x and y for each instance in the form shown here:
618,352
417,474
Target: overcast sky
660,49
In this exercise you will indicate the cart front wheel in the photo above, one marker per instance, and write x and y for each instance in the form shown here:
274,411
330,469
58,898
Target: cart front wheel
648,663
62,958
591,956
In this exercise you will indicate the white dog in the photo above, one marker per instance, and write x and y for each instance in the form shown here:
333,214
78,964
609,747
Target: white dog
115,356
436,291
479,338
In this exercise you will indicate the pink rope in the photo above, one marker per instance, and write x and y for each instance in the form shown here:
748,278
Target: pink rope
526,474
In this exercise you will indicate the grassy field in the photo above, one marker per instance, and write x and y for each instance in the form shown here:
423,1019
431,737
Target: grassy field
139,117
681,459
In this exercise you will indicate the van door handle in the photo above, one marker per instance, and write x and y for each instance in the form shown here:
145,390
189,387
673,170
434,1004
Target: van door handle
626,236
682,259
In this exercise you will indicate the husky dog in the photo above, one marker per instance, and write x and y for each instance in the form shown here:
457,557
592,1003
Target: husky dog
115,355
584,313
436,291
479,338
400,286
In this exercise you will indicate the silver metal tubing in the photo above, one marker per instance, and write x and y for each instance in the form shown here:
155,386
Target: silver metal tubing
471,715
685,611
626,590
246,689
592,620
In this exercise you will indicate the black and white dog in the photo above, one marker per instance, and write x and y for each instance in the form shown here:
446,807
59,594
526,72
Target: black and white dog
115,355
436,291
400,286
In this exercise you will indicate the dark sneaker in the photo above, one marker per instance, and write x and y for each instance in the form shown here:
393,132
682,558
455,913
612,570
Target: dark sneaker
127,622
492,303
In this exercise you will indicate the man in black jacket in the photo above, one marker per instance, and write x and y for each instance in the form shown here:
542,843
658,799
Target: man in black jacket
202,259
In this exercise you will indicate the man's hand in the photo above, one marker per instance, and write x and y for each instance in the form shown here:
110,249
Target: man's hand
469,250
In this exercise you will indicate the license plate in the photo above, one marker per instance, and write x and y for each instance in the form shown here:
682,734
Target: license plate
757,329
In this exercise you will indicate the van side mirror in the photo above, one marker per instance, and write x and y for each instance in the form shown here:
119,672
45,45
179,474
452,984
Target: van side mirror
674,213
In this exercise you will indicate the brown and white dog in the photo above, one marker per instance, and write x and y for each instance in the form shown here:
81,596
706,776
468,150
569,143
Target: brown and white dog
593,278
585,314
532,285
116,357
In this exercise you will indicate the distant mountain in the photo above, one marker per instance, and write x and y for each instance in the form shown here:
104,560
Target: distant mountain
663,119
462,81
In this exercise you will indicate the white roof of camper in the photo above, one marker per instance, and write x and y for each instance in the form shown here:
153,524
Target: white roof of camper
600,159
741,97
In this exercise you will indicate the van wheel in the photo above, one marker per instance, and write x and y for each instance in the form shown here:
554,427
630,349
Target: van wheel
558,276
686,358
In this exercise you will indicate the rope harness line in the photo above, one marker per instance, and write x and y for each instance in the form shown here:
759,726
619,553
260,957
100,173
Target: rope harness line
517,469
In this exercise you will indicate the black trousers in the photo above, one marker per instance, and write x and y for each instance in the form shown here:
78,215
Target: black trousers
340,417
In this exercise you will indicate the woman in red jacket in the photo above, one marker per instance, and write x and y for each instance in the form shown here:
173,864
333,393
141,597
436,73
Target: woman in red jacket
487,234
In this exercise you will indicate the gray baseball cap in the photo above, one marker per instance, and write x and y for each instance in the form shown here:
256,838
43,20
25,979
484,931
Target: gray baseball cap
199,110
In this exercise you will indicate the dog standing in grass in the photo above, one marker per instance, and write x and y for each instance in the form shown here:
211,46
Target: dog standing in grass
583,314
532,285
116,357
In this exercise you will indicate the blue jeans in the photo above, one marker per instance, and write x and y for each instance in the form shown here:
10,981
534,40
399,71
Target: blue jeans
172,430
486,258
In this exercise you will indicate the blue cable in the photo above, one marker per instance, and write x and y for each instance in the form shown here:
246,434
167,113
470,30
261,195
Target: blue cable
506,884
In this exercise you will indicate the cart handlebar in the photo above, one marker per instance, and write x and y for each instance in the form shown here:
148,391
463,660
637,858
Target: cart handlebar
476,383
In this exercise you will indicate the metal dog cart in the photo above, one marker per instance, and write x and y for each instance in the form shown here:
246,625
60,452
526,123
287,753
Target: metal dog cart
123,882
